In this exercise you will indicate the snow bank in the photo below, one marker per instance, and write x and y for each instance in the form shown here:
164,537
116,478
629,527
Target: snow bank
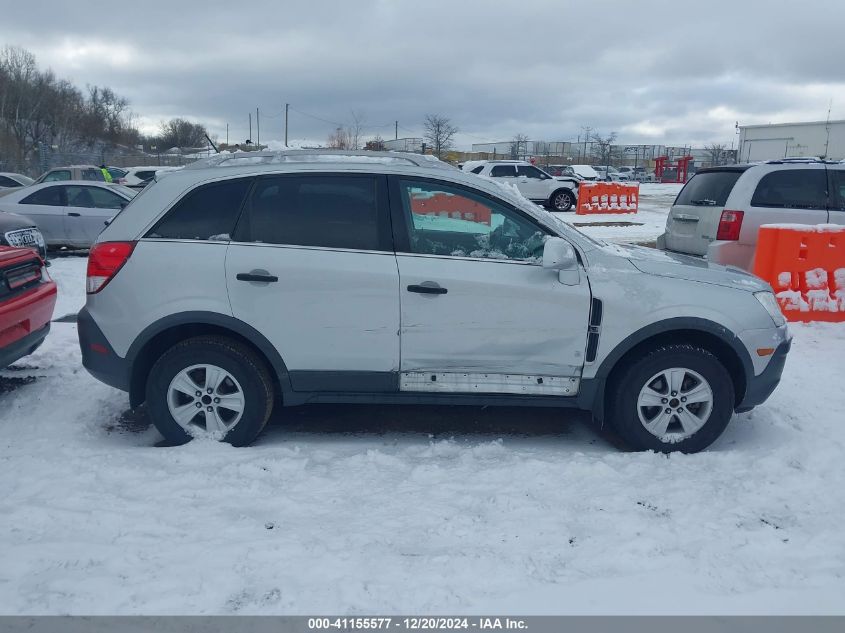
410,509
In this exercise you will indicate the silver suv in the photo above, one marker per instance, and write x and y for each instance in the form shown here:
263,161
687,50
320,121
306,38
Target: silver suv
719,211
243,284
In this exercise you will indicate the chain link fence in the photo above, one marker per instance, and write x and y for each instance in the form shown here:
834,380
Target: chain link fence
47,158
547,153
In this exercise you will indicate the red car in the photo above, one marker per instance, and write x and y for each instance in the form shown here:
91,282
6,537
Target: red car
27,299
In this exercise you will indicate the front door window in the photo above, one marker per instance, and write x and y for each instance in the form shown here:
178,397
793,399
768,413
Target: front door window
445,220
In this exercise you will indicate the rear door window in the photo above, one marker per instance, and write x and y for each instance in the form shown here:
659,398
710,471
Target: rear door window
792,189
92,174
206,213
503,171
709,188
8,182
331,211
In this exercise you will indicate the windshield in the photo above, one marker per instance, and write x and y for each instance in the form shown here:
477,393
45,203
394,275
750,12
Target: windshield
709,188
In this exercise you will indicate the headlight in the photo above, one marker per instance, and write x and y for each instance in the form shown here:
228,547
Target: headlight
768,301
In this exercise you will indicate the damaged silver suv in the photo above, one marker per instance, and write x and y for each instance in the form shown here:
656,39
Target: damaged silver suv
246,282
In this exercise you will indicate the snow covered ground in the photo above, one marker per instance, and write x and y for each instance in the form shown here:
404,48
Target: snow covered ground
432,510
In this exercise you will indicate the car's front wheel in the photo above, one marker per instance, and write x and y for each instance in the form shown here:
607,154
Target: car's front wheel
673,398
562,200
209,386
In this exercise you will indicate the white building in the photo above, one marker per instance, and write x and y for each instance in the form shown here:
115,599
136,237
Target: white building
779,140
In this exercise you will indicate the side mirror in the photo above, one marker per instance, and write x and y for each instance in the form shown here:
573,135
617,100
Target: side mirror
558,254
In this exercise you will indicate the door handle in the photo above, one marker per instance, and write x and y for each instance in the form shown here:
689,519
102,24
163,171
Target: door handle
428,288
260,276
74,215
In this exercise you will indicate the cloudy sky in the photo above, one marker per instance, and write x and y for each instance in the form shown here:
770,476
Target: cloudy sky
654,72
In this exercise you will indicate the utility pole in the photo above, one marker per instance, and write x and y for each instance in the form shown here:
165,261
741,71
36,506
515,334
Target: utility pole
250,128
258,128
227,134
396,132
287,105
827,130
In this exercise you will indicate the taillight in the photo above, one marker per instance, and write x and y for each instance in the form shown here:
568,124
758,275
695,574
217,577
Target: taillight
104,260
729,225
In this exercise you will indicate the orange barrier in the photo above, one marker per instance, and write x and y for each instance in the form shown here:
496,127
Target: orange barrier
456,207
805,264
607,197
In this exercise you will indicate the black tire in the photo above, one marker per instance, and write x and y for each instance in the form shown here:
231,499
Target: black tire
562,200
624,390
232,356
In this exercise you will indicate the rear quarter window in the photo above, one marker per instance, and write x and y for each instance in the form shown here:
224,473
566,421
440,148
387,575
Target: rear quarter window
709,188
792,189
206,213
503,171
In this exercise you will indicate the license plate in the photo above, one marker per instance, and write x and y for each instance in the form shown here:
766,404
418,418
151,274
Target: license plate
24,237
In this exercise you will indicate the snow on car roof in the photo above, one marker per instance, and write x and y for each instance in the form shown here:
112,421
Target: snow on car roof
232,159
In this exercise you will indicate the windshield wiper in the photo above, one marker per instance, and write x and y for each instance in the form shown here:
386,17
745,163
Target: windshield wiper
704,202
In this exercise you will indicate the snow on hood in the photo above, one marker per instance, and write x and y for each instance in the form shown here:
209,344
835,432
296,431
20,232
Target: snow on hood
666,264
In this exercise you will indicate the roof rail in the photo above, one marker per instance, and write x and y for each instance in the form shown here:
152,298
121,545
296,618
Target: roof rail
317,156
797,159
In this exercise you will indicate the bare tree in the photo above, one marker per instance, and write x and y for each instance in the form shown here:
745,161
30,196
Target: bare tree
181,133
716,152
39,112
519,146
339,139
440,133
355,132
602,146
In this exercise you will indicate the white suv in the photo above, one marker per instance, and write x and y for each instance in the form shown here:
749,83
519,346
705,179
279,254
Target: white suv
719,211
286,278
558,193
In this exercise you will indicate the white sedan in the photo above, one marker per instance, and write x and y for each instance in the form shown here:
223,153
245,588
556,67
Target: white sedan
69,213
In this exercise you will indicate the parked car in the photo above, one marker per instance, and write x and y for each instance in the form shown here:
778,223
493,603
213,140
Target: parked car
719,211
72,172
559,194
27,299
615,175
234,286
140,177
586,172
69,213
631,173
21,232
10,180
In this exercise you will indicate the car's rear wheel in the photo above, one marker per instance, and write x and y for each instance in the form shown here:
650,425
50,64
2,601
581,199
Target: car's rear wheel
562,200
209,386
672,398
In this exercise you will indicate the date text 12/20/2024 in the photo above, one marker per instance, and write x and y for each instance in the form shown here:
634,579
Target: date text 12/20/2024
416,623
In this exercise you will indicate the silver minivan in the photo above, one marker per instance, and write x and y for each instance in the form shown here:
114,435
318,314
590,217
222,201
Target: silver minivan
719,211
241,284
